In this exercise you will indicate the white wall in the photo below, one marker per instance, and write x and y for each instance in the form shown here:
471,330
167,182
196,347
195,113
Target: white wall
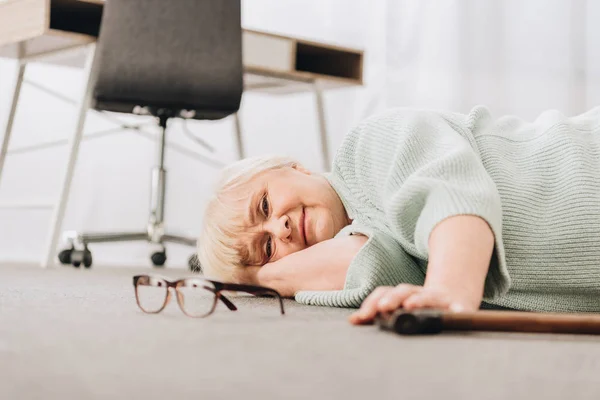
516,57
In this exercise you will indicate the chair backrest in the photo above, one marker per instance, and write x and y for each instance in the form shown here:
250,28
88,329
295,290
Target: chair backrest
170,54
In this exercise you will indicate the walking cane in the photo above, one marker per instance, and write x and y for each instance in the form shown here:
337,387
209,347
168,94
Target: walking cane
420,322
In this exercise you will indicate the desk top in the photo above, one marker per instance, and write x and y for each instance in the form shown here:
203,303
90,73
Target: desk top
36,29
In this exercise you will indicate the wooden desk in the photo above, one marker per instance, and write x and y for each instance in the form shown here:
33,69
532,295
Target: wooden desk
36,29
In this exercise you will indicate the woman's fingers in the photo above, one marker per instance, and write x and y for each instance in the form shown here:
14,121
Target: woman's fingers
387,299
426,299
368,308
383,299
395,298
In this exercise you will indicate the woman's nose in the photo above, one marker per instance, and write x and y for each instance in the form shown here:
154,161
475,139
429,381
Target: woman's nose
283,229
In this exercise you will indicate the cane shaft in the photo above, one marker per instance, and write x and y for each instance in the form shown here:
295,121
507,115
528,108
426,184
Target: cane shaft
432,321
510,321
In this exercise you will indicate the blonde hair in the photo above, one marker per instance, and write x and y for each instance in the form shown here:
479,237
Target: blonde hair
220,249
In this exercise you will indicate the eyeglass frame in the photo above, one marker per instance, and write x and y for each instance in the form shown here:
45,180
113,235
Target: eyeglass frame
218,288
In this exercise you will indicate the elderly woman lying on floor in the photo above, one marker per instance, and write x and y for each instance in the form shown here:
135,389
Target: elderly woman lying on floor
422,209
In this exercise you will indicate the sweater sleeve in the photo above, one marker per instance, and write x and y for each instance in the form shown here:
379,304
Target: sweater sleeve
402,173
428,168
380,262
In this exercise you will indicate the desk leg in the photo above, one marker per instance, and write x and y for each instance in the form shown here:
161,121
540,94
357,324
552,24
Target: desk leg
239,143
322,126
74,143
11,116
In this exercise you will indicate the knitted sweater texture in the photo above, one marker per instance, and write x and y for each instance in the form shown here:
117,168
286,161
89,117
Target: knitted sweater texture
402,172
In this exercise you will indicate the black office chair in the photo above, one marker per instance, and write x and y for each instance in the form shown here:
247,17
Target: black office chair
168,59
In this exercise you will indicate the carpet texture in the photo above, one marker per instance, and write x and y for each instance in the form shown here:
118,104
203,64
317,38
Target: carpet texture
77,334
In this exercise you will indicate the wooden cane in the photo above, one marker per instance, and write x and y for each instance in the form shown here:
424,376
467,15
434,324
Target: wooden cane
420,322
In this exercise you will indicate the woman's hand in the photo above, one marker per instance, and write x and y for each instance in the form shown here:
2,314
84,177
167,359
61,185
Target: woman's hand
410,297
322,266
459,258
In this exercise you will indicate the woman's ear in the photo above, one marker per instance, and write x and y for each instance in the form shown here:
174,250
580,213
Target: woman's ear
300,168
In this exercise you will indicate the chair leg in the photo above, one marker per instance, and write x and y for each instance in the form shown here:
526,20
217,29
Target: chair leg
113,237
239,143
180,240
322,126
11,116
74,141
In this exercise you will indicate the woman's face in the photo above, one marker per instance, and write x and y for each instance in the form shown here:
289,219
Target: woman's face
289,209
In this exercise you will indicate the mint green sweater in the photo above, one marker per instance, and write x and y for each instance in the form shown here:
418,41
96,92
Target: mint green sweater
536,184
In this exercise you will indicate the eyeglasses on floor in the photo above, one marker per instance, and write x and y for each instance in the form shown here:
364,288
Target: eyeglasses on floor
197,297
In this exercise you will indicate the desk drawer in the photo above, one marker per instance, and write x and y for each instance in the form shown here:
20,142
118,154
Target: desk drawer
82,17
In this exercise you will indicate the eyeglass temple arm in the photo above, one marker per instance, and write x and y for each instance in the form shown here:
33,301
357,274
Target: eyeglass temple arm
255,290
227,302
224,299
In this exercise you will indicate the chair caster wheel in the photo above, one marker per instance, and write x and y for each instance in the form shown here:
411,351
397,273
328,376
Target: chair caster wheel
65,256
87,258
158,258
194,263
79,257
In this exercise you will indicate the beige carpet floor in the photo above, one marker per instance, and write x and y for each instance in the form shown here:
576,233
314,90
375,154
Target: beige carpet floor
77,334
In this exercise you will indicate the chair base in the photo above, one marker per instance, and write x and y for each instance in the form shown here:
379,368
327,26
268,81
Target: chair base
78,253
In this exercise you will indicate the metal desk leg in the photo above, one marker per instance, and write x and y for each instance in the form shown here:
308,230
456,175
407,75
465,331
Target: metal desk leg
322,127
11,116
74,141
239,143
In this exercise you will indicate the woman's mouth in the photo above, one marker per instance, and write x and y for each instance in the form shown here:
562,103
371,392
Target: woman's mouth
302,226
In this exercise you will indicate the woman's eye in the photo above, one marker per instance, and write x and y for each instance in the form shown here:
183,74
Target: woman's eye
264,206
269,248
